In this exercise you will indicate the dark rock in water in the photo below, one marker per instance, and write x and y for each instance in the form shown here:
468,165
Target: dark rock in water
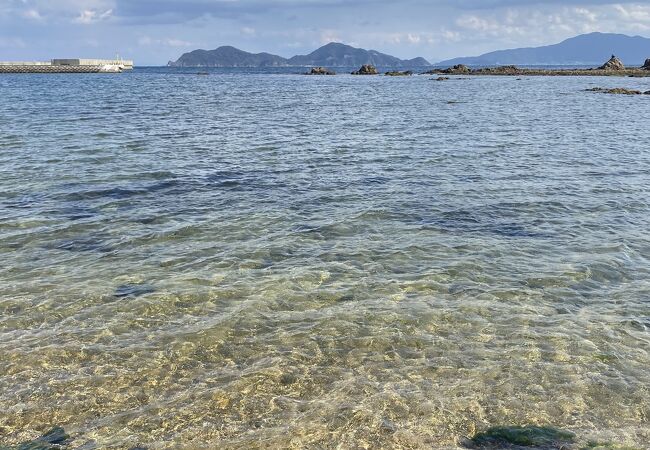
502,70
621,91
346,298
442,78
84,244
646,66
53,439
320,71
366,69
406,73
203,73
516,437
133,290
457,69
288,379
613,64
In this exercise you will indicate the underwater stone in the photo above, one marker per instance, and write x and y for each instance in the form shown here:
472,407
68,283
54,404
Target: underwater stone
287,379
53,439
621,91
529,436
387,427
133,290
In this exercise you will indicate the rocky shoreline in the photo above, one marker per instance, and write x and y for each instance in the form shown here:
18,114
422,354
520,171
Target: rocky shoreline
612,68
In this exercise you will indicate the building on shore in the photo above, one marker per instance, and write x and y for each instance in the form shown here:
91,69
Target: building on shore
67,66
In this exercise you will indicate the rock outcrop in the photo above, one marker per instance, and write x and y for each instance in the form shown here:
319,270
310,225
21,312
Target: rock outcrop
613,64
611,70
646,66
366,69
501,70
457,69
320,71
406,73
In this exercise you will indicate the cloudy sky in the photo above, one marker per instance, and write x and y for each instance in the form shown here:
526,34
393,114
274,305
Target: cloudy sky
155,31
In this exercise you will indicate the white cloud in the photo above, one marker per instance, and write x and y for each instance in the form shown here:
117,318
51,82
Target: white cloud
535,25
88,16
167,42
327,36
248,31
413,38
32,14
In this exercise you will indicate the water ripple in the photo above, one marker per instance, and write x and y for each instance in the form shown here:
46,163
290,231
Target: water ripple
274,261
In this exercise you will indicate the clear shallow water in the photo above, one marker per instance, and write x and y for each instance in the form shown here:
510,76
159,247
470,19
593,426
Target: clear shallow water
255,261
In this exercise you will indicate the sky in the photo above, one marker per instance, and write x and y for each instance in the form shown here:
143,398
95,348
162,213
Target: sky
152,32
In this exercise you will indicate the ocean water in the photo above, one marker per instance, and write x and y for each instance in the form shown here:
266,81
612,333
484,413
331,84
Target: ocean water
247,260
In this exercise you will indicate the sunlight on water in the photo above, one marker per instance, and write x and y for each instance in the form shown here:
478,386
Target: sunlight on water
276,261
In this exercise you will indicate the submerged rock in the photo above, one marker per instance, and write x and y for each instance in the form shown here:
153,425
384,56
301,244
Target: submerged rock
133,290
530,436
320,71
646,66
53,439
387,427
442,78
621,91
366,69
406,73
613,64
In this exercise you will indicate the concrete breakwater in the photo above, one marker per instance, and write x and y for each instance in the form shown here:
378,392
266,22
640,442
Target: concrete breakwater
67,66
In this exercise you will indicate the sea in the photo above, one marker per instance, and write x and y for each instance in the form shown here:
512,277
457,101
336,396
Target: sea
261,259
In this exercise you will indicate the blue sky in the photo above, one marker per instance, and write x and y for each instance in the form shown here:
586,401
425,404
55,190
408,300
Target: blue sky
155,31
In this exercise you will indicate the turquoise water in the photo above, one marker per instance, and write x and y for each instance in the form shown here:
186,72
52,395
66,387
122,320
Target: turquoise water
278,261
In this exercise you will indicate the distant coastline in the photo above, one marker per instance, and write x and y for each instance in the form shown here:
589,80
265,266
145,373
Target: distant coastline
582,51
579,51
330,55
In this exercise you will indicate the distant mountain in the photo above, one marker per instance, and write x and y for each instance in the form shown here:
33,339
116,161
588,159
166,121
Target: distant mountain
228,57
586,49
341,55
330,55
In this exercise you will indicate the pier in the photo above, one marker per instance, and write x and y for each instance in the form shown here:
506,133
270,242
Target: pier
67,66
